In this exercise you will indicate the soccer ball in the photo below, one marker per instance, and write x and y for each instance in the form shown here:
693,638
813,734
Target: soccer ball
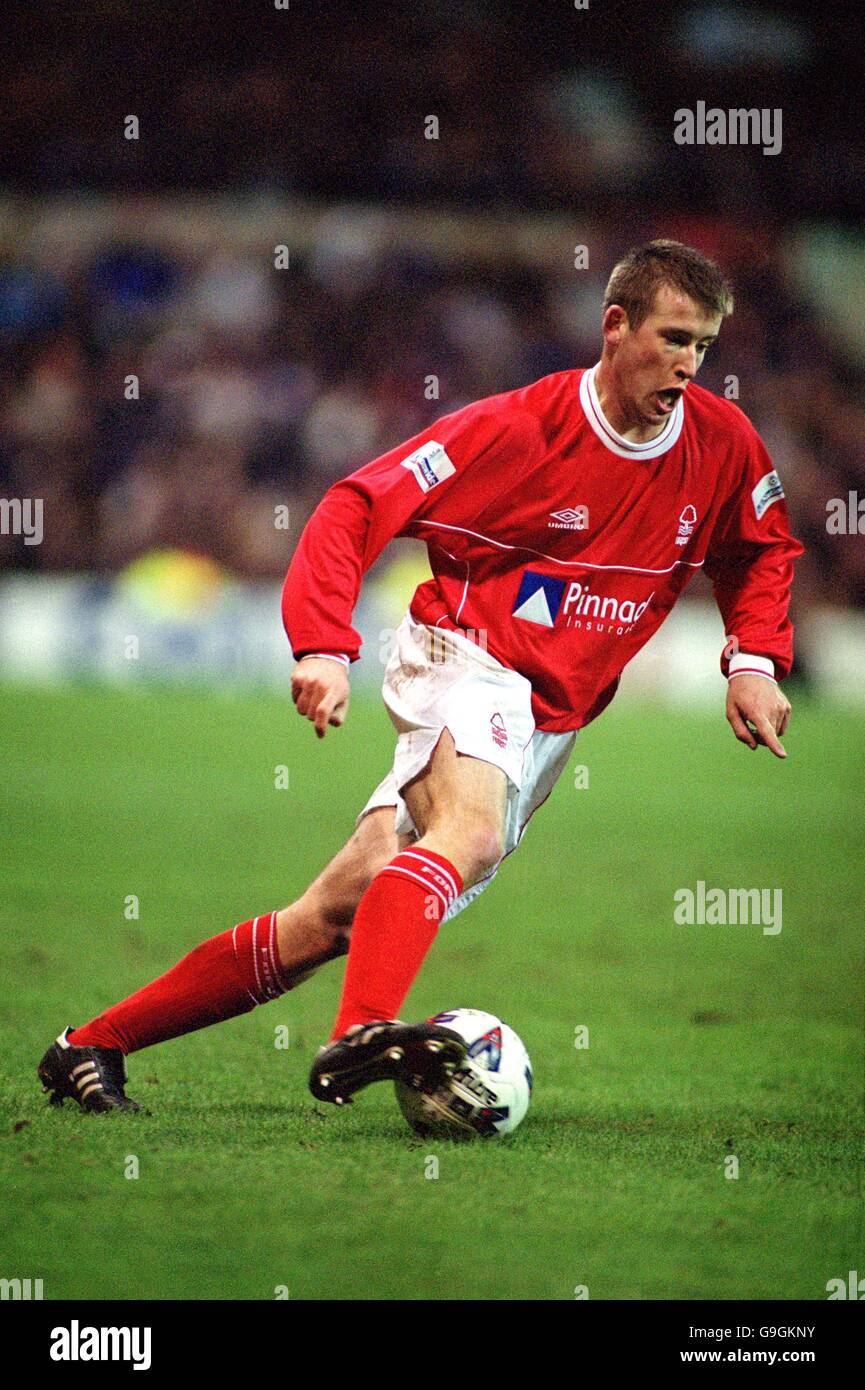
489,1095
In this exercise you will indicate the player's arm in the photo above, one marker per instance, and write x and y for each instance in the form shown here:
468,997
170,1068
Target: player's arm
343,537
347,532
750,563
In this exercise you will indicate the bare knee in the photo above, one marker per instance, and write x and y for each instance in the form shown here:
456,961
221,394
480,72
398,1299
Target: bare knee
484,849
475,846
460,804
325,912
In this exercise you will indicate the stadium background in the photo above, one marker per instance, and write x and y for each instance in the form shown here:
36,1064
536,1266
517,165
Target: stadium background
422,273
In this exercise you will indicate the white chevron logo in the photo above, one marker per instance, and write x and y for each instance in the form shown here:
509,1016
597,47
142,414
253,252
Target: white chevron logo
535,609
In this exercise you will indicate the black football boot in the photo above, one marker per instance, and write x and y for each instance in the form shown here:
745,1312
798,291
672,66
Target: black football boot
93,1077
423,1055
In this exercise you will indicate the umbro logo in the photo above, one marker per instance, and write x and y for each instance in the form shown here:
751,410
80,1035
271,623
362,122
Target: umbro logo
570,519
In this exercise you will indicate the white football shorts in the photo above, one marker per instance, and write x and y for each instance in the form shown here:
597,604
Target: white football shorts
435,680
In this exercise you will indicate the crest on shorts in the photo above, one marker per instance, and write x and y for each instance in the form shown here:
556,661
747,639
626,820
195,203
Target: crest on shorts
498,730
539,598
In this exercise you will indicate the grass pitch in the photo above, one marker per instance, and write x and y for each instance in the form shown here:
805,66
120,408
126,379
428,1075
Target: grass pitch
705,1043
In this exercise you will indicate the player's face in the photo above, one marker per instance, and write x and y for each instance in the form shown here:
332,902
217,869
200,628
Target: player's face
655,362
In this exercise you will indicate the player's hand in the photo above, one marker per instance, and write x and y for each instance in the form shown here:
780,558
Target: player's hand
757,712
321,691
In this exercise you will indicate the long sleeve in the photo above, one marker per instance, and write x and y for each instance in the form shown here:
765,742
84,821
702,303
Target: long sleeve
359,515
750,563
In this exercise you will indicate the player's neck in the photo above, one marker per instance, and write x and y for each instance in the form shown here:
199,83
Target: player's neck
618,410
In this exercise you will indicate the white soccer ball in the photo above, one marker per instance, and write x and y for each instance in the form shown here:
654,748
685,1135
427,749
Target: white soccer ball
488,1096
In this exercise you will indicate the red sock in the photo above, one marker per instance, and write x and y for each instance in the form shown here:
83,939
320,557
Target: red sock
225,976
394,927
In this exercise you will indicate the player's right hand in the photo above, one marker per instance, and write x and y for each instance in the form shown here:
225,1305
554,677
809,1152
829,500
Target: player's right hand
320,690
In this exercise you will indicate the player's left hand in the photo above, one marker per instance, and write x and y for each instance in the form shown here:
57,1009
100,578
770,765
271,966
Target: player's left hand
758,712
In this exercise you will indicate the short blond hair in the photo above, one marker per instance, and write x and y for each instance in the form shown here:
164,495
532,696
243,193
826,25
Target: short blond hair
639,275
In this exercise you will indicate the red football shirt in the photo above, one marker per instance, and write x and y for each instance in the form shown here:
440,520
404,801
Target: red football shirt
559,541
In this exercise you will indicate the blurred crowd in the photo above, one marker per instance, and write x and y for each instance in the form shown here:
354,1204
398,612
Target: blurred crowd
158,398
545,102
155,390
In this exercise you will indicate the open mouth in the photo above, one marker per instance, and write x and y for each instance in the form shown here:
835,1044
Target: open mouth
666,401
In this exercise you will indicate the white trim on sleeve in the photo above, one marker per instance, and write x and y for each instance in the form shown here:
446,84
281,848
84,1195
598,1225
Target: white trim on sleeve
743,665
327,656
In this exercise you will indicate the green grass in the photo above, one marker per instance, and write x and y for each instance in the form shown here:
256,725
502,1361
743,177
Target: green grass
704,1041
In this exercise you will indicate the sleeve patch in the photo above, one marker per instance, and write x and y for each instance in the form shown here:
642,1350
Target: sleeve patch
429,464
767,491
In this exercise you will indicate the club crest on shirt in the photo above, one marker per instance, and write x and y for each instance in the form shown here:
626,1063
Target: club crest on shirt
687,522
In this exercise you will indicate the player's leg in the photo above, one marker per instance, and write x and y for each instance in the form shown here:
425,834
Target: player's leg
459,804
225,976
317,927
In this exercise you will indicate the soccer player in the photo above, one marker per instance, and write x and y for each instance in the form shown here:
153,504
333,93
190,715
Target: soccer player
562,521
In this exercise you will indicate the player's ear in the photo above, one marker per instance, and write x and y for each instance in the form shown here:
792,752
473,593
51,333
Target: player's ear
615,323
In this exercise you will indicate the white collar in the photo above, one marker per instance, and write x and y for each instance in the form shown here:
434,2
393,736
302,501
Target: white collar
616,442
